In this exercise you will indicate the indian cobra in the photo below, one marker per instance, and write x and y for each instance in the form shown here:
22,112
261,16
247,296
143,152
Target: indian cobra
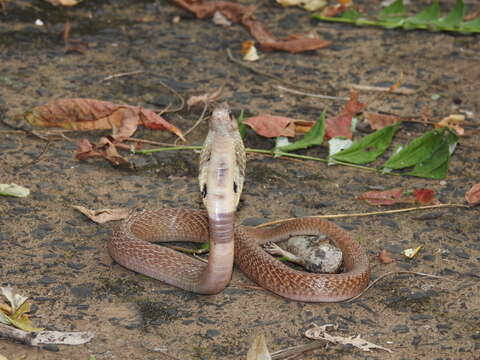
221,175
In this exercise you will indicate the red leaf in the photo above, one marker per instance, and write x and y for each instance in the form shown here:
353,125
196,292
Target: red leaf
386,197
272,126
473,195
341,125
379,121
424,196
239,13
398,196
88,114
385,257
154,121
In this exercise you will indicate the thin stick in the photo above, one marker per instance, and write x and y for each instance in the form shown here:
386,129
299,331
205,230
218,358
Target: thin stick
395,273
368,213
297,92
10,332
151,142
402,91
200,119
121,75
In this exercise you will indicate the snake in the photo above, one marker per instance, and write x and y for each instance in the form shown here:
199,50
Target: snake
134,243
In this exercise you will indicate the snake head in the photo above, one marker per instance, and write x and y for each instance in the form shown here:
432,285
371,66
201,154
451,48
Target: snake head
222,165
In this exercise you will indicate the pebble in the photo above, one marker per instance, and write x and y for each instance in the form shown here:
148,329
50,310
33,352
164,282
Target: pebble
400,329
82,291
47,280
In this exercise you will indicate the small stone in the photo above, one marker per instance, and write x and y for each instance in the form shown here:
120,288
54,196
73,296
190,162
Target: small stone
211,333
51,347
47,280
253,221
400,329
82,291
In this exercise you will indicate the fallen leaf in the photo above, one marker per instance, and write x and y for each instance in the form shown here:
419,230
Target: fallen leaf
473,195
334,10
424,196
258,350
313,137
249,51
102,216
398,196
105,149
17,315
453,122
205,98
412,252
220,19
13,190
64,2
237,13
309,5
320,333
341,125
385,257
379,121
271,126
91,114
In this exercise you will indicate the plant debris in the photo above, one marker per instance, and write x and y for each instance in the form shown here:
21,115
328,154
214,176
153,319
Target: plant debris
102,216
399,196
237,13
320,333
341,125
13,190
473,195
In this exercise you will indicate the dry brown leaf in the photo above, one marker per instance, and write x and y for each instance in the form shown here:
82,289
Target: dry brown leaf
64,2
205,98
91,114
473,195
102,216
258,350
237,13
309,5
379,121
399,196
272,126
385,257
453,122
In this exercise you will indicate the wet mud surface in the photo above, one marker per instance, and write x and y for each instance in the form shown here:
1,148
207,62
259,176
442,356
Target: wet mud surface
57,257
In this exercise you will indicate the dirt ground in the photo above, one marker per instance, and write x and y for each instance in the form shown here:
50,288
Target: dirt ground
57,257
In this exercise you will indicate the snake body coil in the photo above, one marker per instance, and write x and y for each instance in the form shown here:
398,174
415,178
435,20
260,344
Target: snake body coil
222,170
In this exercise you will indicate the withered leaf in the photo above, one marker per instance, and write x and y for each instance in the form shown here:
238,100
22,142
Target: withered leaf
473,195
271,126
341,125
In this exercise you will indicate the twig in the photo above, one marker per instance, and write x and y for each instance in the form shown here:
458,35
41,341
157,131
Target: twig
110,77
200,119
297,92
37,158
368,213
151,142
402,91
395,273
10,332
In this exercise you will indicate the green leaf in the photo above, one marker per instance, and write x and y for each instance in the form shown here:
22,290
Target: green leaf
417,151
351,14
429,15
369,148
473,25
313,137
455,17
436,165
393,9
241,126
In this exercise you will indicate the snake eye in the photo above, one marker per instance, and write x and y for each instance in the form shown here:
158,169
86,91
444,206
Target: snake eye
235,187
204,191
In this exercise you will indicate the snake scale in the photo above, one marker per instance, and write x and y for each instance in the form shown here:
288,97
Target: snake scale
221,177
